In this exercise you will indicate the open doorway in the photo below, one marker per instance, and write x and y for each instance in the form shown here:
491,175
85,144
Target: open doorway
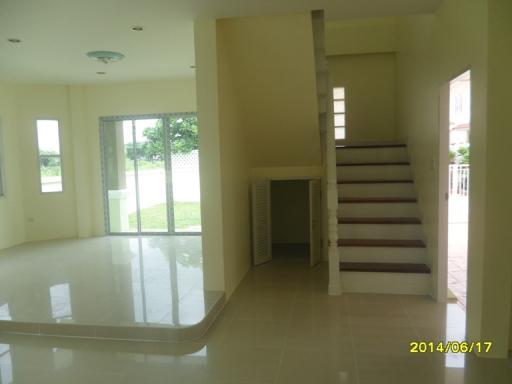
458,186
286,220
290,219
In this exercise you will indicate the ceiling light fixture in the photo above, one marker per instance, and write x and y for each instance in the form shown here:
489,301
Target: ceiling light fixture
14,40
137,28
101,73
105,56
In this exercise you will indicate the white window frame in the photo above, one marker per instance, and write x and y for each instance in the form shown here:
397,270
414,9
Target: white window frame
39,156
334,100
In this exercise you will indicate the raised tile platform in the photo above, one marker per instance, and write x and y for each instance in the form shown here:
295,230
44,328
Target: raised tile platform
133,288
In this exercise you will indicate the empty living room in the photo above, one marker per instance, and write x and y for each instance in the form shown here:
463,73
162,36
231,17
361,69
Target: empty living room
253,192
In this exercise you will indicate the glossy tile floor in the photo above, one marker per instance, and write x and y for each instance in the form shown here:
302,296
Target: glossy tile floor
279,327
111,281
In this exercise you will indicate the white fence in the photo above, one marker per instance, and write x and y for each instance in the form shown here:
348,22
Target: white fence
459,180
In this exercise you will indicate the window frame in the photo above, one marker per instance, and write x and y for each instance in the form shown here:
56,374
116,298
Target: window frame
344,113
59,131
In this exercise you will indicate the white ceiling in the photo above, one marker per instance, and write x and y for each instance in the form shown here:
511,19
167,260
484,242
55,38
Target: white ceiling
56,34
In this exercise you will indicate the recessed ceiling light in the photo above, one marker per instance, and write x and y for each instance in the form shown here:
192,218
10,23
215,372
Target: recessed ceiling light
105,56
137,28
101,73
14,40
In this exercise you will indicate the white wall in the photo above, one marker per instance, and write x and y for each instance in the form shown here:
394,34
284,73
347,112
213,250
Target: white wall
12,216
205,32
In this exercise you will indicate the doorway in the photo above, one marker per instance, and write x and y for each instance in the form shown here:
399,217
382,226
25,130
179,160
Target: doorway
290,219
286,220
151,174
455,180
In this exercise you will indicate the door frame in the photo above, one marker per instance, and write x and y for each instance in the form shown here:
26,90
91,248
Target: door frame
307,179
441,289
441,284
165,117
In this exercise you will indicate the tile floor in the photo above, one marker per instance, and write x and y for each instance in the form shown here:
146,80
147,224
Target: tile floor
108,281
279,327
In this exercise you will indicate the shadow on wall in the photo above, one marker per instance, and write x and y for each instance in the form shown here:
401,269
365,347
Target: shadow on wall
290,218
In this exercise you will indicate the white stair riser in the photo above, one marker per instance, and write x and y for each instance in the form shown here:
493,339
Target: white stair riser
380,231
377,190
383,255
378,210
381,282
360,155
372,172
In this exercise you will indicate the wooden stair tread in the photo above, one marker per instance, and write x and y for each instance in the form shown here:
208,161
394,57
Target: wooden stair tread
381,163
381,243
384,267
379,220
354,200
369,146
375,181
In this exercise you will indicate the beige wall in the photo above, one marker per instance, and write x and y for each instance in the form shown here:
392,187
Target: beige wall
78,210
497,285
369,81
274,80
290,212
353,37
234,161
207,87
49,215
266,116
431,51
12,216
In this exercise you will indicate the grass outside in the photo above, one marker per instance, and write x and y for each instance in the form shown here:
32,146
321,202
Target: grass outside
186,215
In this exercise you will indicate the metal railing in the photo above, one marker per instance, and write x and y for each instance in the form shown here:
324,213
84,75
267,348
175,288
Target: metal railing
459,180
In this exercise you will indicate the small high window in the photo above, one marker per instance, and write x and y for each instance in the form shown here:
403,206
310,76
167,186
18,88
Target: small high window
338,95
50,164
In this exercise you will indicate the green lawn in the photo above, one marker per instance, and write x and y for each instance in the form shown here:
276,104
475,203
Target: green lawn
185,215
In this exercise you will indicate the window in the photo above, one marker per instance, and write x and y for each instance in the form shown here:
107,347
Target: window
60,300
50,165
338,95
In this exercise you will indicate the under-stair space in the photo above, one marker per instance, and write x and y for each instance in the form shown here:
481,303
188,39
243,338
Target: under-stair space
381,244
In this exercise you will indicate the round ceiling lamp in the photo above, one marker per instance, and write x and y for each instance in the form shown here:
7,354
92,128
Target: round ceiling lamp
105,56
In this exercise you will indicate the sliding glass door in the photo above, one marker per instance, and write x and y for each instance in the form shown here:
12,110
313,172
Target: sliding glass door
151,174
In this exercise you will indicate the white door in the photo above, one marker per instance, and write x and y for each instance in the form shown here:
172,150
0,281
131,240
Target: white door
315,222
261,222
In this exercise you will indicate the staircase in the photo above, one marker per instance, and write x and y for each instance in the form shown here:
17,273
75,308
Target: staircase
380,238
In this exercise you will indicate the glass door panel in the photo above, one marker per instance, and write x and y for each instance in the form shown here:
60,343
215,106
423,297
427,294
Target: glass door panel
118,152
152,175
185,173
